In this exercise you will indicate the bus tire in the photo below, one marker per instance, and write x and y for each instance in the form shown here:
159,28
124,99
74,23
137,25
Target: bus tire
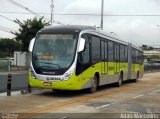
119,83
137,77
94,84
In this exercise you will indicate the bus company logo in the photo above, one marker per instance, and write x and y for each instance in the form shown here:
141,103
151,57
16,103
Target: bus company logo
53,78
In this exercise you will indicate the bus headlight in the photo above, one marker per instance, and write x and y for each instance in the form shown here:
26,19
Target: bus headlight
68,75
32,73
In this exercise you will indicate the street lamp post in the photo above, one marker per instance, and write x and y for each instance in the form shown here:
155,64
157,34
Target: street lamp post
52,6
102,10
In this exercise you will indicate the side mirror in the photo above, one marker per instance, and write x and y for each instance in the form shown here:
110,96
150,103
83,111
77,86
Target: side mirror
31,44
81,45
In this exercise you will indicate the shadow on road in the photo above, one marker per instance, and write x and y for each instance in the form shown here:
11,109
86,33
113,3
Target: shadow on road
71,94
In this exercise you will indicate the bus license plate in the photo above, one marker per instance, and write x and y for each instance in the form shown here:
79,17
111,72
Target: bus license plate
47,83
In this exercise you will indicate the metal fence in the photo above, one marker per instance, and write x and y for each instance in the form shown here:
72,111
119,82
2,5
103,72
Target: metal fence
5,64
3,83
151,68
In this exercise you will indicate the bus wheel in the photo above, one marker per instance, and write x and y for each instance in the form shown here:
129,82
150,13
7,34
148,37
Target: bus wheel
119,83
137,77
94,83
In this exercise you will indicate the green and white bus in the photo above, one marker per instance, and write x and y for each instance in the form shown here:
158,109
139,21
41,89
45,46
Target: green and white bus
79,57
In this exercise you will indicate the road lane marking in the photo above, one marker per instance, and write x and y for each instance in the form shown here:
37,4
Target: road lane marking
76,101
63,118
155,91
138,96
105,105
81,100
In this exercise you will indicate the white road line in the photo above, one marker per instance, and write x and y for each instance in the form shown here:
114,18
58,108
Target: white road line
155,91
138,96
106,105
63,117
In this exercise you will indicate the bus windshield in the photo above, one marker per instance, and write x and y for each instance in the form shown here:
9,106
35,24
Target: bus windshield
53,52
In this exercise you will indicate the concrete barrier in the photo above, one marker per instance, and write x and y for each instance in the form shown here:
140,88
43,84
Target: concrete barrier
19,82
13,82
3,83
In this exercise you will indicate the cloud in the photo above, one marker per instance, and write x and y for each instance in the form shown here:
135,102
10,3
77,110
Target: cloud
84,6
138,30
135,31
157,2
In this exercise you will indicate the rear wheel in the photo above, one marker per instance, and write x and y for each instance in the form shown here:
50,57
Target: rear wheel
119,83
137,77
94,83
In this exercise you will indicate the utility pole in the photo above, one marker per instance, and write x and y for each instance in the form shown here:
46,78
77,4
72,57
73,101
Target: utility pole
102,10
52,7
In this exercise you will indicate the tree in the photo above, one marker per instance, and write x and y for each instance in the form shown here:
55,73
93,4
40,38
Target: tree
28,30
8,46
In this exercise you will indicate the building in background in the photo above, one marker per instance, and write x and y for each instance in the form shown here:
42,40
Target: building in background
21,59
151,52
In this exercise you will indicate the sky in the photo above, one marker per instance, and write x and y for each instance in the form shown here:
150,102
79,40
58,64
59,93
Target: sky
135,21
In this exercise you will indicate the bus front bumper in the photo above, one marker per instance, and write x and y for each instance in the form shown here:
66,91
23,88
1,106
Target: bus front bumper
70,84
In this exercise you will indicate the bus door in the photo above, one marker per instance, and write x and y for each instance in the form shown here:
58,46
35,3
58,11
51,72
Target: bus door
96,53
110,58
116,58
104,55
84,60
133,60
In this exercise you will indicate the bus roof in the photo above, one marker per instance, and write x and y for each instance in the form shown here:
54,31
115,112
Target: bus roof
66,29
71,29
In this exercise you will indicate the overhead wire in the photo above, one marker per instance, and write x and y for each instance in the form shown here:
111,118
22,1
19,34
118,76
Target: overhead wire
7,28
7,18
22,6
76,14
24,3
67,14
29,10
6,31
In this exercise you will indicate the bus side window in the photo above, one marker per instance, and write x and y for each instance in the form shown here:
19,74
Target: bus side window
126,53
96,55
86,52
86,57
133,55
122,53
116,52
110,51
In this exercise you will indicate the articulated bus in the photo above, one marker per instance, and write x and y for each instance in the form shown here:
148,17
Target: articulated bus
75,57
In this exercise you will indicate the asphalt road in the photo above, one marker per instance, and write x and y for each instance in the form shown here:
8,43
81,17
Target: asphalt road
132,100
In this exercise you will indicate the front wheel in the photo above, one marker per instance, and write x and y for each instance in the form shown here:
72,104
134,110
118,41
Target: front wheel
94,83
